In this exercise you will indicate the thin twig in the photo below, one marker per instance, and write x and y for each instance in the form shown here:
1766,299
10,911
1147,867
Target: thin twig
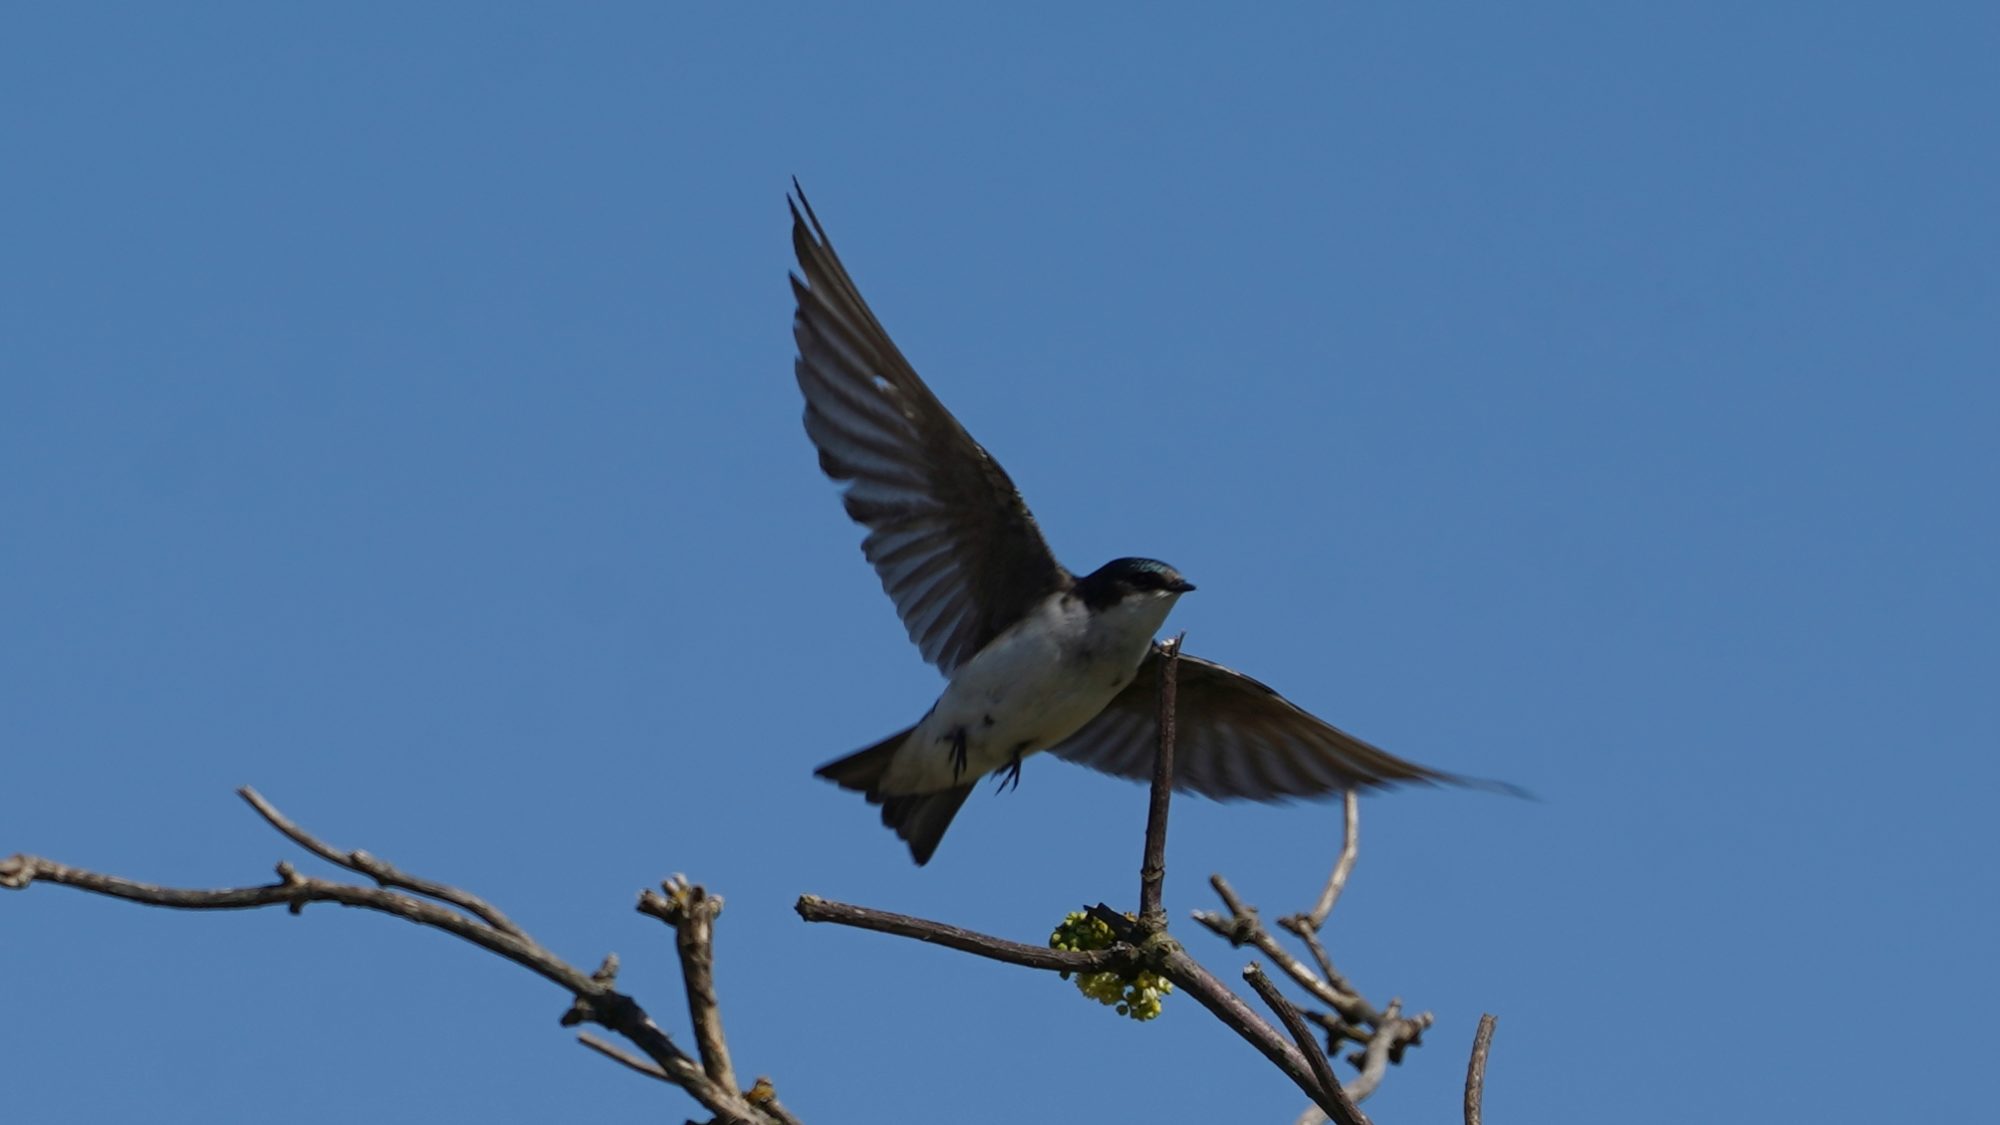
383,873
1153,865
596,1000
619,1055
1333,977
1384,1034
1337,1029
1375,1057
1188,976
1475,1069
816,909
295,891
1343,1111
1350,849
1306,927
1243,927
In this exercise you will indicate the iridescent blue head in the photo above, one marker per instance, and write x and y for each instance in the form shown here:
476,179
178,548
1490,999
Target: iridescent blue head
1121,578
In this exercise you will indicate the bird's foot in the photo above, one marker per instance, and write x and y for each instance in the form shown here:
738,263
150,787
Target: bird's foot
1011,775
958,752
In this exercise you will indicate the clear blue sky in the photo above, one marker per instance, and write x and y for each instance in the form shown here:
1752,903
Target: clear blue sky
396,414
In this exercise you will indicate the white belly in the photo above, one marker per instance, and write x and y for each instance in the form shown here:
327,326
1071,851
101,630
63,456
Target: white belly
1029,689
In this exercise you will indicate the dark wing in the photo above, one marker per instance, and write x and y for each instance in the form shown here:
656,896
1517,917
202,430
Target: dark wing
1235,738
955,546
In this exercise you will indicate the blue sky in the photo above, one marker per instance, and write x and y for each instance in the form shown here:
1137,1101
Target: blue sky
396,415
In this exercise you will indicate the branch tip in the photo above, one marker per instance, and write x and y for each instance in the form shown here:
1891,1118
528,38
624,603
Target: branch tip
1475,1069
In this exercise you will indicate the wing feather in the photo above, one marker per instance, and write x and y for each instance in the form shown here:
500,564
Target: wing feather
949,535
1236,738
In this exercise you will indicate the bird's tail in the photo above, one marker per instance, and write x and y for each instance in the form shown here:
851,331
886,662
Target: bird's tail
863,769
919,818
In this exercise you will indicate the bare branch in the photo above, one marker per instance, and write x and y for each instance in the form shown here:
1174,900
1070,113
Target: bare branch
294,891
1380,1048
1332,976
1475,1069
1153,864
692,912
1342,1111
1350,849
1244,927
619,1055
1383,1034
1145,944
595,998
383,873
1158,952
1188,976
1375,1056
816,909
1306,926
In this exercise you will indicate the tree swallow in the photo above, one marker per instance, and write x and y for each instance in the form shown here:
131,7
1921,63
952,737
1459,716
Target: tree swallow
1036,657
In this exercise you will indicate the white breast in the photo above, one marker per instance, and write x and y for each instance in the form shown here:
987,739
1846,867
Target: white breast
1029,689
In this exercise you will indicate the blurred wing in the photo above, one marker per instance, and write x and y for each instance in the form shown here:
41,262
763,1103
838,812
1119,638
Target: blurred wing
1235,738
955,546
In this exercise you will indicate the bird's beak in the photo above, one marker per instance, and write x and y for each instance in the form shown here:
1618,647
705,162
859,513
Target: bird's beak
1182,586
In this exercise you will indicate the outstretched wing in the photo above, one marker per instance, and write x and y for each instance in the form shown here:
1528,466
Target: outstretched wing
955,546
1234,738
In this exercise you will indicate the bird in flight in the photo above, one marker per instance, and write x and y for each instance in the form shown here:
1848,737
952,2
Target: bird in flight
1037,658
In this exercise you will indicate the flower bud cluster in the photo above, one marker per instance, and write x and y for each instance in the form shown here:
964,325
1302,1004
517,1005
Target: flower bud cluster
1136,996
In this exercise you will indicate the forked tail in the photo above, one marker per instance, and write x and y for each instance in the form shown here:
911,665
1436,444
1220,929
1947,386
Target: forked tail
919,818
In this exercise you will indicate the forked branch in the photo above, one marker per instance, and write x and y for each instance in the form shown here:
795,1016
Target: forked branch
1143,944
1383,1034
455,911
1140,942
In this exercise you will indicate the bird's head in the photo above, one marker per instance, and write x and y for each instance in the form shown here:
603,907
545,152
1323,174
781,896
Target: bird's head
1140,580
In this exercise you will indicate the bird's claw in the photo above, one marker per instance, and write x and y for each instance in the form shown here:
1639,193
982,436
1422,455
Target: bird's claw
1011,775
958,753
